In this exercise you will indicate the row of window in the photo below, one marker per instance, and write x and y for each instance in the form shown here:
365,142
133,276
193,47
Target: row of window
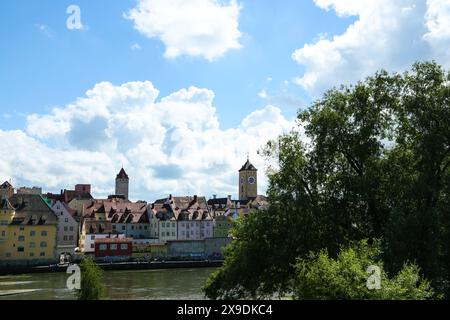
113,246
42,254
32,245
32,234
68,229
68,238
132,227
168,224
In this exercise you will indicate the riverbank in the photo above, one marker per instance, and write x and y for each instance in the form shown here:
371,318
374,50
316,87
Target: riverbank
123,266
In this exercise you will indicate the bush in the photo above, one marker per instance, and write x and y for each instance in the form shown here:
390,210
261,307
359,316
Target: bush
346,277
92,287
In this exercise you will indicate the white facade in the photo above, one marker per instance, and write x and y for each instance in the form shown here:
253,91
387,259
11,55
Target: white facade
67,236
167,230
89,240
195,229
133,230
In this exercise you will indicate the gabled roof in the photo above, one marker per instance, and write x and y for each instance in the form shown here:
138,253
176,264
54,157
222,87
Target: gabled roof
5,185
248,167
32,209
122,174
183,208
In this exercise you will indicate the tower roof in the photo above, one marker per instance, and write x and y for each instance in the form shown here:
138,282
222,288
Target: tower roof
248,167
122,175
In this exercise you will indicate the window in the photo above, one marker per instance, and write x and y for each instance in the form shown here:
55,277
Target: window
32,245
3,233
71,228
163,224
103,247
92,237
183,233
182,224
32,233
20,249
70,238
8,254
173,234
173,224
44,233
65,238
66,220
123,227
92,246
43,244
31,254
207,224
42,254
113,246
145,227
22,228
124,246
132,227
168,234
65,228
21,238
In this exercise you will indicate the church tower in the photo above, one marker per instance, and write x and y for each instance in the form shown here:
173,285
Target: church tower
122,184
248,181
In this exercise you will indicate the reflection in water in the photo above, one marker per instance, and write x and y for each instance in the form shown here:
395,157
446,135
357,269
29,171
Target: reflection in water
120,285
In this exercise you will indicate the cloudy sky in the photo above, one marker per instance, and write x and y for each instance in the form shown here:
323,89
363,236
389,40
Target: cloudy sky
179,91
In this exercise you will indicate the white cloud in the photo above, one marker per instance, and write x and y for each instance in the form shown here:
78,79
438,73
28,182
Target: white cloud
387,34
135,46
263,94
204,28
168,145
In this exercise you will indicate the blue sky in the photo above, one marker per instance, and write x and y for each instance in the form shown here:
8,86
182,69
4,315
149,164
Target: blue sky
235,72
56,65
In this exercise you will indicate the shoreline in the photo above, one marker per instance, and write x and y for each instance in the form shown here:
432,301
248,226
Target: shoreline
116,266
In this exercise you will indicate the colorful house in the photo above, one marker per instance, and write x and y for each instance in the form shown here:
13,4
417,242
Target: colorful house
28,231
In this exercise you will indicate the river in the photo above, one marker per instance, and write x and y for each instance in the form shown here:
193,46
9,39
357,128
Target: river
120,285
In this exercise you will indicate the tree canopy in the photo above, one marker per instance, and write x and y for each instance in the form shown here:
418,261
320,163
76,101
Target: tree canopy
367,161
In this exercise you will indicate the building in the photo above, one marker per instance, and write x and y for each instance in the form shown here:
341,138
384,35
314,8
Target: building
28,231
26,190
93,229
248,181
122,184
114,248
183,218
67,196
6,190
129,218
83,188
67,238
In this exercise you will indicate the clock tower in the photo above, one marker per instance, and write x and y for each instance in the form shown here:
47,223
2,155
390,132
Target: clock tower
248,181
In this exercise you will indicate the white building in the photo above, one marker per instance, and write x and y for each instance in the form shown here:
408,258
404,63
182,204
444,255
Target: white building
67,236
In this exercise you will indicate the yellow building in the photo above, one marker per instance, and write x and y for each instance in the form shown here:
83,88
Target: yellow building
28,231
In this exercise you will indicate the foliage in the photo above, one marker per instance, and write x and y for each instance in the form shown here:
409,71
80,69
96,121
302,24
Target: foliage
320,277
369,161
92,287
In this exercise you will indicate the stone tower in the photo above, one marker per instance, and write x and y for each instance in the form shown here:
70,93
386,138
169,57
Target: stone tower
122,184
248,181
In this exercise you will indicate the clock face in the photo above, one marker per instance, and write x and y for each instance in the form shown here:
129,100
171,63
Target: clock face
251,180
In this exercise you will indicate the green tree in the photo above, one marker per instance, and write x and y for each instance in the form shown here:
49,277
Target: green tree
320,277
92,287
368,161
